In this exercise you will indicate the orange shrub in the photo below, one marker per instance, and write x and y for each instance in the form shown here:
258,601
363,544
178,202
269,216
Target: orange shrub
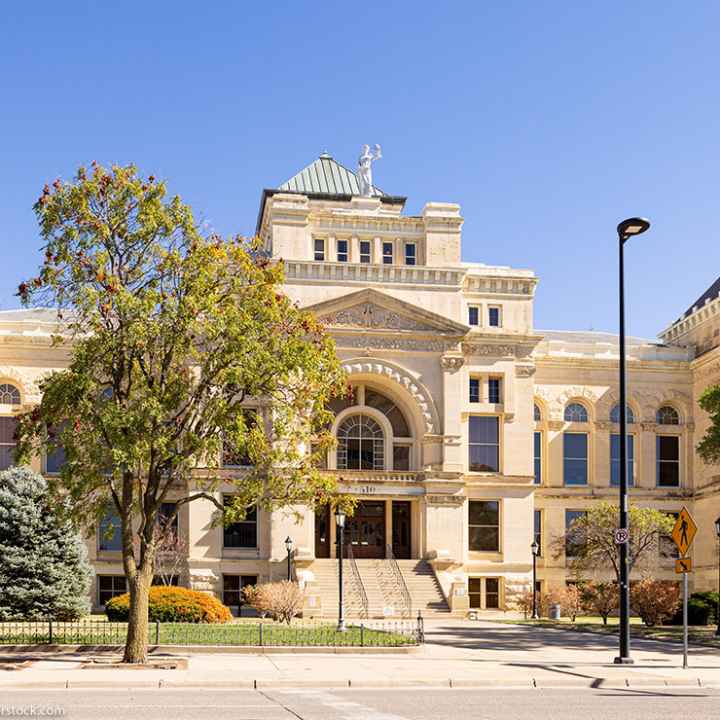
173,604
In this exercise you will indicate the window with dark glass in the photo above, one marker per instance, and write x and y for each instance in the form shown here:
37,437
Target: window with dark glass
233,586
342,250
474,390
239,457
668,460
365,255
484,444
55,458
575,458
494,316
667,415
410,253
537,415
110,586
494,390
8,426
9,394
574,535
110,533
575,412
387,251
538,530
484,525
537,456
667,548
473,315
361,444
475,592
319,249
241,534
401,457
492,593
165,580
167,511
615,414
615,459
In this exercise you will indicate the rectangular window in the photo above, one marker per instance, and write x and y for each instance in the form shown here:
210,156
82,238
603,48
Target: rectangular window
484,593
401,457
538,530
241,534
165,580
484,444
233,586
110,586
239,457
342,250
167,510
365,255
574,538
537,452
474,390
575,458
55,459
492,593
473,315
319,249
484,525
475,592
494,319
494,390
110,533
410,253
387,248
8,426
668,461
615,459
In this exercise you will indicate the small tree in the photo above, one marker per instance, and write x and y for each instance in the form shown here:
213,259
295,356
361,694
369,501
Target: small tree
601,598
44,572
654,600
282,600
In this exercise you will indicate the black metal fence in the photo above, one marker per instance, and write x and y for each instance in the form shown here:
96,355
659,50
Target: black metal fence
256,633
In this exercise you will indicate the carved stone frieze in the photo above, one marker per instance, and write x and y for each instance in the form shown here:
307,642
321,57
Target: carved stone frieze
384,342
452,363
649,426
373,316
524,371
488,349
452,500
555,424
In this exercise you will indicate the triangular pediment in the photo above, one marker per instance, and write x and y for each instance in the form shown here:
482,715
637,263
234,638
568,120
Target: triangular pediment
370,310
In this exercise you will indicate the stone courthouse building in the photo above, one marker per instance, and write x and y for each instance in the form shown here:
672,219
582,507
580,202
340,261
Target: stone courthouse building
469,434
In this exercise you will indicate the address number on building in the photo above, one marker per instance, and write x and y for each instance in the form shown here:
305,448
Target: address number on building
621,536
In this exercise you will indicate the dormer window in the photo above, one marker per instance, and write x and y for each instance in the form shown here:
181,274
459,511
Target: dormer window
342,250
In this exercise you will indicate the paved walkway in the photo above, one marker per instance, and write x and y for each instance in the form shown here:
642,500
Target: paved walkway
457,654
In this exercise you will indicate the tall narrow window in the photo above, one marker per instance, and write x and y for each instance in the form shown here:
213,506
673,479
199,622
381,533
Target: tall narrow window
668,461
410,253
361,444
342,250
574,535
575,458
484,525
365,255
8,425
492,593
474,390
615,459
474,315
319,249
494,316
538,457
494,390
109,533
537,415
233,456
387,249
538,530
484,445
241,534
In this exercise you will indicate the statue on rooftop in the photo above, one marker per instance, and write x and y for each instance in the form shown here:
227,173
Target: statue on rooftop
364,170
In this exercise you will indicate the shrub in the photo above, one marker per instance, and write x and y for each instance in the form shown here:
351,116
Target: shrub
702,610
281,600
173,604
601,598
654,600
524,602
710,598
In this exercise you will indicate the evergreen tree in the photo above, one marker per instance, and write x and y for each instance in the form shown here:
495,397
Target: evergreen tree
44,571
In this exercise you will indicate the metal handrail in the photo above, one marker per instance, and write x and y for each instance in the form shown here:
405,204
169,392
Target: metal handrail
357,580
400,580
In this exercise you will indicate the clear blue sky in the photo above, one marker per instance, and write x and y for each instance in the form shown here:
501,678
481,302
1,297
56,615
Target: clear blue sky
548,122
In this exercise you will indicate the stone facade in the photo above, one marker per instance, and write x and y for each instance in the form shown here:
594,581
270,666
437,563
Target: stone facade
431,344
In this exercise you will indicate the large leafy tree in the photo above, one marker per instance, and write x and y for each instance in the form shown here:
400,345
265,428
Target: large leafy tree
590,538
709,447
44,571
169,331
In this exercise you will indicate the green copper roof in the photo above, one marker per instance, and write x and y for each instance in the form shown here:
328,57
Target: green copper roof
325,176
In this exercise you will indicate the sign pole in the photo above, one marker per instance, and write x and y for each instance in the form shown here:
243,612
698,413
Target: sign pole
685,621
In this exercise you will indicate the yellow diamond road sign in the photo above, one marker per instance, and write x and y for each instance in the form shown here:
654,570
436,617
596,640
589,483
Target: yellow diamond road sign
684,531
683,565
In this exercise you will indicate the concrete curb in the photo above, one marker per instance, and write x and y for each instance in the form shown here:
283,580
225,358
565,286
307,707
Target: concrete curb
187,650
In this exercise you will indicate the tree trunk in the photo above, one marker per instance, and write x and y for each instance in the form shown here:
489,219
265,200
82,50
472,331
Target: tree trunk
136,644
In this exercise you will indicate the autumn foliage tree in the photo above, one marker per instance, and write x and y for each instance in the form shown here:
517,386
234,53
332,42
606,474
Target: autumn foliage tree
168,332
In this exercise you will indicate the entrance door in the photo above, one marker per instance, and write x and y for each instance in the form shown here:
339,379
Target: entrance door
322,532
365,530
401,529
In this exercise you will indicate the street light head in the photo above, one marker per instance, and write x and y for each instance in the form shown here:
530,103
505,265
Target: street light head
535,547
717,527
632,226
340,518
288,543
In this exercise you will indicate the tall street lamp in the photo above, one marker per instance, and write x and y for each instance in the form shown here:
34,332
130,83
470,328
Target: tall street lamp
535,551
626,229
289,547
340,522
717,608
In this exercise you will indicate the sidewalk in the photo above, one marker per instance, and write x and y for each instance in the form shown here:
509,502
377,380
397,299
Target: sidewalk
457,654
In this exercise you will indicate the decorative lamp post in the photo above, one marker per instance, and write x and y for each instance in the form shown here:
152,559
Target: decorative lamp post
340,522
289,547
535,552
717,609
626,229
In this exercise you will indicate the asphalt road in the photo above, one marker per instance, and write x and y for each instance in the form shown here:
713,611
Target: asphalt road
362,704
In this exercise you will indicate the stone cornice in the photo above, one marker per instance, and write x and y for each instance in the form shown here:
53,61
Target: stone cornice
551,361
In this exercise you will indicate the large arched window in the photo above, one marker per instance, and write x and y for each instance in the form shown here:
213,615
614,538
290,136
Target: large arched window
667,415
361,444
9,394
615,414
575,412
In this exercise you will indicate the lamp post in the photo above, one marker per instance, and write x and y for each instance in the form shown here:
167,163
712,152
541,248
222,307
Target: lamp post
289,547
717,608
340,522
535,550
626,229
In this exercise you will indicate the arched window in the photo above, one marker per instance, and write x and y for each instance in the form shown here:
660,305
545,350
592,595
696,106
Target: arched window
615,414
575,412
9,394
537,414
361,444
667,415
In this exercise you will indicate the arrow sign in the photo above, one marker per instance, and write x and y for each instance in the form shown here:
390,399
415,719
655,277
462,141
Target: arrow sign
684,531
683,565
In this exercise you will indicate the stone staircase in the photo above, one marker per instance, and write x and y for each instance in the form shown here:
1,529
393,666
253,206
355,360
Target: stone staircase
424,588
